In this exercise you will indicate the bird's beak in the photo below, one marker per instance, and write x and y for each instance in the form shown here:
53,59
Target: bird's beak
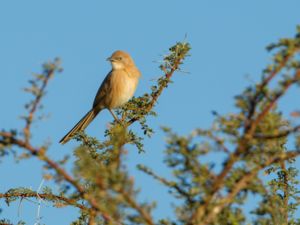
110,59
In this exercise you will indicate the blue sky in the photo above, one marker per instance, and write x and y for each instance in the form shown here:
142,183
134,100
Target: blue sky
228,41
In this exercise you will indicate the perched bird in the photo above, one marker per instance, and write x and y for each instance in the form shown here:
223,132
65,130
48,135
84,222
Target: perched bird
116,89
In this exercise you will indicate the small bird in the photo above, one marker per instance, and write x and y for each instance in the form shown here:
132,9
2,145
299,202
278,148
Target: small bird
116,89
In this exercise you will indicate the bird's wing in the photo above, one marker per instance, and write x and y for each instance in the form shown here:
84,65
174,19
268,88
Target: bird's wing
102,91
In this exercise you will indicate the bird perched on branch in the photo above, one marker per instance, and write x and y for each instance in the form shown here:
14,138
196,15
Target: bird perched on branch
116,89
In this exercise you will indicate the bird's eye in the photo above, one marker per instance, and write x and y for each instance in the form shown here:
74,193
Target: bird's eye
119,58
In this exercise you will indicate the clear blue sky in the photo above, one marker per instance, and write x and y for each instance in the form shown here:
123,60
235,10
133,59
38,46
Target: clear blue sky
228,41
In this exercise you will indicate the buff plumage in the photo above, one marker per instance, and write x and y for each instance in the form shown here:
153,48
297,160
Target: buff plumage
116,89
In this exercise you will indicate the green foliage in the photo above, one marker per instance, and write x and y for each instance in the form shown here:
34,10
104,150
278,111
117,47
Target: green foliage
282,198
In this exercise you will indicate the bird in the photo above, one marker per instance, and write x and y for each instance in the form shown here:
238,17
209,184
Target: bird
117,88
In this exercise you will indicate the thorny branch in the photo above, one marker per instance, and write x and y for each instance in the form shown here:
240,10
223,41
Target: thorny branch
260,89
264,112
168,74
48,197
249,132
39,93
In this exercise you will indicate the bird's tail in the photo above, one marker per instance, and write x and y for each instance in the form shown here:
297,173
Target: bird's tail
81,125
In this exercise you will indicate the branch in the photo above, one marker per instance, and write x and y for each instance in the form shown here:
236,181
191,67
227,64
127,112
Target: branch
217,140
48,197
170,184
265,111
265,82
180,50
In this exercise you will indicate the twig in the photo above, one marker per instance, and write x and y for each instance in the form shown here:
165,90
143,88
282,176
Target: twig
218,141
35,104
49,197
170,184
271,104
144,214
276,136
168,75
285,192
265,82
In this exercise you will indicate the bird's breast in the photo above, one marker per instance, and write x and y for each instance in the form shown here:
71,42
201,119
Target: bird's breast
123,88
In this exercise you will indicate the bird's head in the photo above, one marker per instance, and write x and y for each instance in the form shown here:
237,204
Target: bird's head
120,59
